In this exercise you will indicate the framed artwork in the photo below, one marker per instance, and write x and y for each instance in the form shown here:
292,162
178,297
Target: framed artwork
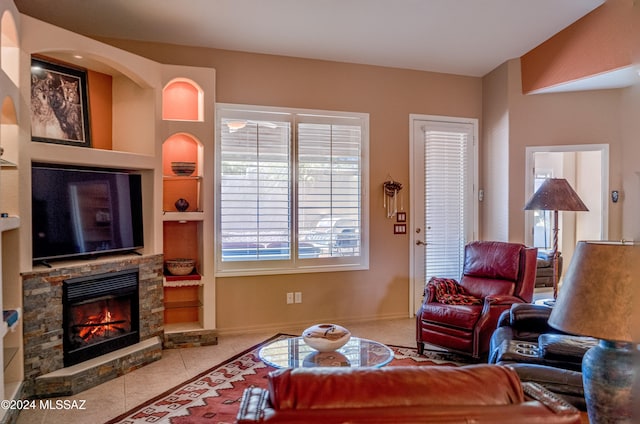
401,217
59,106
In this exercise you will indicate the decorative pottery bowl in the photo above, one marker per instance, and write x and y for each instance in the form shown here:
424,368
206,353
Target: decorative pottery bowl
183,169
180,266
326,337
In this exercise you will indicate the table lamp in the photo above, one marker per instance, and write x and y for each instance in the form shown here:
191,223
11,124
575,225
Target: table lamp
555,194
599,298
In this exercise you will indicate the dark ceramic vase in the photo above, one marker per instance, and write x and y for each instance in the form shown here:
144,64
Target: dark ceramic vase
181,204
609,371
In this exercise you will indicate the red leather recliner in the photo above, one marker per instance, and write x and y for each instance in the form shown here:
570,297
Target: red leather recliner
495,276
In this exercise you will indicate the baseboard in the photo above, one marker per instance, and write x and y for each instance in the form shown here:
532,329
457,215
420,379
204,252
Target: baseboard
294,326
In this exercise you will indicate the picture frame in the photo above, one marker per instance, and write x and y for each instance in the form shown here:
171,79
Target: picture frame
401,217
59,104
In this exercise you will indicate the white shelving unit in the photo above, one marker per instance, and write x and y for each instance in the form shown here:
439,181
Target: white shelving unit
137,133
188,135
11,373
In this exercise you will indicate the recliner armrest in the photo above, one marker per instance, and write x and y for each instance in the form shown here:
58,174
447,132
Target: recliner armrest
502,299
563,347
531,317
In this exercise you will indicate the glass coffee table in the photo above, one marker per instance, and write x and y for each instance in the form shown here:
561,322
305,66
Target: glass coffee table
294,353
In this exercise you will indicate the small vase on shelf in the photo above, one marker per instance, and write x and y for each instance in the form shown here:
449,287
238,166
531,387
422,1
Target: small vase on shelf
181,205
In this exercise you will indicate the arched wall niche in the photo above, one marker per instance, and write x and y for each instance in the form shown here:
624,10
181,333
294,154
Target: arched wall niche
121,103
181,147
182,100
9,116
97,63
9,131
9,48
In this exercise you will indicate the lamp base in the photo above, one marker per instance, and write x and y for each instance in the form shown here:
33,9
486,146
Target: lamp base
609,372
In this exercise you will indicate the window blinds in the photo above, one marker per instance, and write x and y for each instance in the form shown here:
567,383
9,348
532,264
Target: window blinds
329,173
290,190
448,192
255,190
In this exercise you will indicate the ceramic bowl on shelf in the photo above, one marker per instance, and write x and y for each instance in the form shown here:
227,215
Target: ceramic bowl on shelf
180,266
183,169
326,337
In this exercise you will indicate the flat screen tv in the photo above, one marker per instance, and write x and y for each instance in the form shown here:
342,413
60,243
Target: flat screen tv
84,212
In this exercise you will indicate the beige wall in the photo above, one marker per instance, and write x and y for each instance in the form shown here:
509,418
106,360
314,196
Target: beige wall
494,151
630,172
510,120
389,96
589,117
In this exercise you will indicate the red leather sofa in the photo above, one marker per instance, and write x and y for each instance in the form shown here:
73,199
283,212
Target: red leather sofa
478,394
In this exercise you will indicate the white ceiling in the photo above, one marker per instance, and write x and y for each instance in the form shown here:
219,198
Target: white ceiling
466,37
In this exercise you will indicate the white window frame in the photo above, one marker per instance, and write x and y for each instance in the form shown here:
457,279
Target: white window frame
293,265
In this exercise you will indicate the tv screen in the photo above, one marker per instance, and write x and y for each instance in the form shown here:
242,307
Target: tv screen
84,212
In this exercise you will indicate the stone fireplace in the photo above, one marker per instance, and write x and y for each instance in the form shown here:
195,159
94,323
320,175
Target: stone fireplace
79,318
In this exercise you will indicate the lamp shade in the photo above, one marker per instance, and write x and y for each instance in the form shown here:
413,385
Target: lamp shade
599,296
555,194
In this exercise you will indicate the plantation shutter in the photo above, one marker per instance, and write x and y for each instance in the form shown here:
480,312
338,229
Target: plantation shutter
329,185
255,202
290,190
448,196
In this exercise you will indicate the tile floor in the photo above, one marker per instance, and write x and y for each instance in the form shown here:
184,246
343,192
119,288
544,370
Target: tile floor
113,398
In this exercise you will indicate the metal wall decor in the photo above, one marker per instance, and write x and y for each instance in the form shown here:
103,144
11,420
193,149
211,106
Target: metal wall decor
390,191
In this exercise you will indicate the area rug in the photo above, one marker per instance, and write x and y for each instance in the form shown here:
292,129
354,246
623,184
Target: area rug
213,397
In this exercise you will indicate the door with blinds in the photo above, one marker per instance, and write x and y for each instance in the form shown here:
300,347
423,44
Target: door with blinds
444,209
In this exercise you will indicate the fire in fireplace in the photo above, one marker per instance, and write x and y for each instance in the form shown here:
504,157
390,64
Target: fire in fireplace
101,314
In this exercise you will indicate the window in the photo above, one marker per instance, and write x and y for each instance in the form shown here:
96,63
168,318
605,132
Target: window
542,220
291,188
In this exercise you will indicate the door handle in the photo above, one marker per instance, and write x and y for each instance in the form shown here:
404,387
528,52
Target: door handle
420,243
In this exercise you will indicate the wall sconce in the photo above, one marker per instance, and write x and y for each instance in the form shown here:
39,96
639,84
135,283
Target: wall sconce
615,196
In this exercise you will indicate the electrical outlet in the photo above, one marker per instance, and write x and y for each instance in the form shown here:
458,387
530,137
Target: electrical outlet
289,298
298,297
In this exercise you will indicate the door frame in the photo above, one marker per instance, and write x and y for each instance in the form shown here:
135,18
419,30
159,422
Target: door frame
414,195
604,178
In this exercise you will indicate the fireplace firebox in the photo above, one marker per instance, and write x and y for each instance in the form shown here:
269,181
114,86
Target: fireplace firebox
101,314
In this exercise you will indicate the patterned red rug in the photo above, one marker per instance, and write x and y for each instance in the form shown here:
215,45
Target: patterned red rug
213,397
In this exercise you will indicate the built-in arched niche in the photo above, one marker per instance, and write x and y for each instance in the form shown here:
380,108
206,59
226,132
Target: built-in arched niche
180,149
182,100
9,50
9,133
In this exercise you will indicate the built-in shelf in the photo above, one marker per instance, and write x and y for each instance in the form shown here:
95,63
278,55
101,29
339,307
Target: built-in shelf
73,155
8,354
182,327
9,223
10,320
183,216
6,164
193,279
183,304
181,177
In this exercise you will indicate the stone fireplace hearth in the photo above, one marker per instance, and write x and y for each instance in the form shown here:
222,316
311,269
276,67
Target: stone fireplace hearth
44,366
